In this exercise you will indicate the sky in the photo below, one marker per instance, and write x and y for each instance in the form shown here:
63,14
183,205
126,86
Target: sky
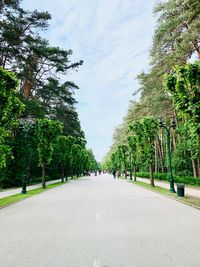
113,37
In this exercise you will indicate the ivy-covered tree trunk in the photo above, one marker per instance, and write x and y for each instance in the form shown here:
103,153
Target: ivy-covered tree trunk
151,174
43,176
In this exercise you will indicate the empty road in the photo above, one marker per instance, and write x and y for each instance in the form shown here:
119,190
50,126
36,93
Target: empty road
99,222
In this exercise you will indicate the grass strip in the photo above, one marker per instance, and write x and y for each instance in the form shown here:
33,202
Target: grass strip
188,199
18,197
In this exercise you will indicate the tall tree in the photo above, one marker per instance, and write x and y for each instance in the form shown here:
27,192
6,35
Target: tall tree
63,153
47,131
177,34
145,132
184,85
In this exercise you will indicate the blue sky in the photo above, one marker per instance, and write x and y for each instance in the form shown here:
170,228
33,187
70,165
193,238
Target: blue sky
113,37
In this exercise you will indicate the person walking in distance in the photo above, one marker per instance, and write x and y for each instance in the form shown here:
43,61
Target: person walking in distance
114,174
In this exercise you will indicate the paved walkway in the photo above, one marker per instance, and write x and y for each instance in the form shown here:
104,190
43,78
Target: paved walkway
10,192
99,222
188,190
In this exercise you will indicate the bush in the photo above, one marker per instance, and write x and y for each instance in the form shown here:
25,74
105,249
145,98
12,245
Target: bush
178,179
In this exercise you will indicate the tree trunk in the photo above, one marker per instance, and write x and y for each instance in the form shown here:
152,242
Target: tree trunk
62,174
161,156
198,53
66,178
43,176
174,140
162,146
198,167
151,174
197,49
194,168
134,172
156,157
27,91
125,173
30,78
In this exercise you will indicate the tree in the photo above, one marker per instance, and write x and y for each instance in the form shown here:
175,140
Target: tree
123,157
132,146
18,29
10,109
145,131
62,151
91,163
177,35
41,63
76,159
39,67
58,103
47,131
183,84
4,5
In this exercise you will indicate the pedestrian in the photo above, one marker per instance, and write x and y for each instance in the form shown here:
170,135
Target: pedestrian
114,174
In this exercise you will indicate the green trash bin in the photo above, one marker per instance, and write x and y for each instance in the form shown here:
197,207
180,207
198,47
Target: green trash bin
180,190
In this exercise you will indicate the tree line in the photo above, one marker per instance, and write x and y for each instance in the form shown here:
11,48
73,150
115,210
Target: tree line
171,90
39,124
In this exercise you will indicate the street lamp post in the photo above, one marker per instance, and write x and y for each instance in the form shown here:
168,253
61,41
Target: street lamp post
167,128
25,125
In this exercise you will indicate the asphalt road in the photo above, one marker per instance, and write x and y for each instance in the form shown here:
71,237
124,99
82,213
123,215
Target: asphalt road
99,222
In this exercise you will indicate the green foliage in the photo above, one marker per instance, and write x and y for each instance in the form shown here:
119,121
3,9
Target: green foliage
10,109
62,153
145,132
177,35
176,39
39,66
184,85
47,131
10,106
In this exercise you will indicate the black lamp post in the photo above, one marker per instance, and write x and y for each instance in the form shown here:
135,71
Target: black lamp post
26,125
167,128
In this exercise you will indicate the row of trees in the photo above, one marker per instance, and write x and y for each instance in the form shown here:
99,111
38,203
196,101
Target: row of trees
39,124
171,88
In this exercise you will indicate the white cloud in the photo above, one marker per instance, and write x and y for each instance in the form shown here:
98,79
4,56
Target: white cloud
113,37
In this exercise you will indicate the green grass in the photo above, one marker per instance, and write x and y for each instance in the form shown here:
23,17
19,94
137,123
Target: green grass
188,200
18,197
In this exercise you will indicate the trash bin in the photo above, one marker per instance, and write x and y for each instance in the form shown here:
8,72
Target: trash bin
180,190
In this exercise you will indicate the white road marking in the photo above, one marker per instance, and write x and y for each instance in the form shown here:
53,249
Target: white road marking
96,263
97,217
